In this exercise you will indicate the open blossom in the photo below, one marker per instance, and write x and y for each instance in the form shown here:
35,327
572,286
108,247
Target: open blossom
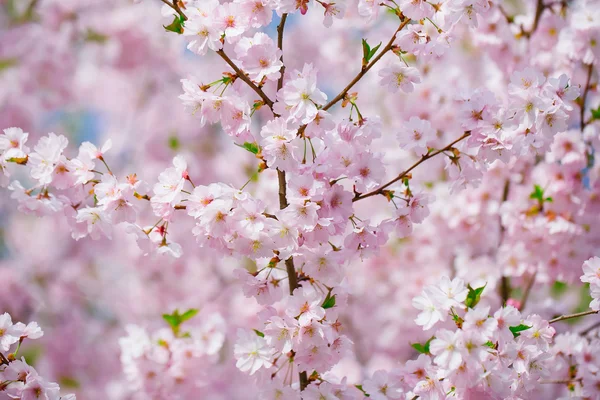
260,57
382,387
397,76
307,305
170,183
252,352
300,96
446,348
12,144
416,134
9,333
278,144
46,155
201,29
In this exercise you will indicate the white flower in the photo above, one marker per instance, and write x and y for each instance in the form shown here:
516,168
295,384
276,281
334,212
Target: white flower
252,352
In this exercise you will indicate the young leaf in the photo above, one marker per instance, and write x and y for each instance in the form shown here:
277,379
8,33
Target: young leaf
189,314
595,113
423,348
172,319
474,296
175,26
373,51
329,301
251,147
258,333
366,50
517,329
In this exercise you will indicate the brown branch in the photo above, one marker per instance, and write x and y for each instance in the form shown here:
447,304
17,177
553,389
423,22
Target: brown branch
589,329
505,288
280,28
563,381
424,158
539,9
576,315
283,203
175,6
527,291
366,68
245,78
584,96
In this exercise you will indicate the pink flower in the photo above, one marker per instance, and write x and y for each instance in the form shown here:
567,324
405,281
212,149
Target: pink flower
12,144
252,352
278,145
382,387
170,183
416,135
305,304
46,155
446,348
400,77
9,333
259,57
300,96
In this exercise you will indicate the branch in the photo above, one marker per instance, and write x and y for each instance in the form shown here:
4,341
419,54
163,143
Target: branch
577,315
245,78
527,291
584,96
176,7
280,28
590,329
563,381
415,165
366,69
283,203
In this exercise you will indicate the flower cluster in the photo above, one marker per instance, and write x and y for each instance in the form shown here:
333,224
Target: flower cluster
464,144
18,380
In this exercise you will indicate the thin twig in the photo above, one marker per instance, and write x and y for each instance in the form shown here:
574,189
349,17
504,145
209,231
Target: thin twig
424,158
584,96
563,381
283,203
366,69
505,282
280,28
176,7
589,329
527,291
577,315
245,78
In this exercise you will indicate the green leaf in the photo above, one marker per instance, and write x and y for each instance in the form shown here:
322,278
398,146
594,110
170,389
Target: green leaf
174,142
558,289
172,319
359,387
97,37
595,113
175,26
537,194
373,51
258,333
366,50
189,314
69,382
474,296
423,348
490,344
329,301
251,147
517,329
6,63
